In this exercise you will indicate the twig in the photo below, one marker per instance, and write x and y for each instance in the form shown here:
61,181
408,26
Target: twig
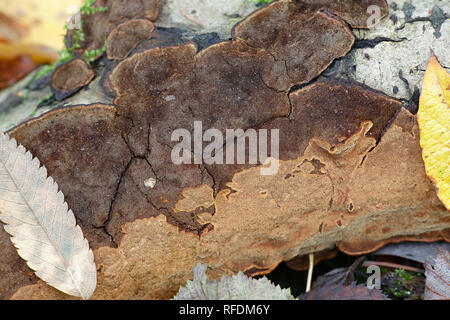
350,277
310,272
392,265
192,19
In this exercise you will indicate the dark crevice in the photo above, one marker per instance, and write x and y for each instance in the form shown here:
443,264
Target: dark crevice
291,107
151,167
436,18
405,81
413,103
330,203
365,156
119,183
204,168
372,43
302,85
214,185
383,131
149,201
268,86
113,200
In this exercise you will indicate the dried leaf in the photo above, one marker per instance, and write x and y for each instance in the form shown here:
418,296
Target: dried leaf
237,287
334,277
12,70
42,227
340,292
417,251
434,124
437,285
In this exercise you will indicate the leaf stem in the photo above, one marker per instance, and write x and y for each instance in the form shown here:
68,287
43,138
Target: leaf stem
310,272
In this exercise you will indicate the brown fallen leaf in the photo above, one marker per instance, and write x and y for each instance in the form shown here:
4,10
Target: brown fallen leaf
342,292
416,251
12,70
31,33
437,285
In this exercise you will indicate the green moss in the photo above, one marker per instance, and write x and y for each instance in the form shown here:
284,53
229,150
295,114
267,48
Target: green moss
87,9
90,55
402,284
25,93
44,99
408,276
77,39
261,1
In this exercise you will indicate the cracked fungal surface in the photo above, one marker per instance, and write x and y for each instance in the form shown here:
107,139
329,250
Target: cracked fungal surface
338,143
294,216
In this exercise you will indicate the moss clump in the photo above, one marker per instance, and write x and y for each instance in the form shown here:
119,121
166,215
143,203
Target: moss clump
262,1
77,39
88,9
404,285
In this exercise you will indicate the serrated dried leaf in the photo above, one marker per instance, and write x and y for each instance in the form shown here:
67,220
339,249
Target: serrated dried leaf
437,285
237,287
434,123
41,226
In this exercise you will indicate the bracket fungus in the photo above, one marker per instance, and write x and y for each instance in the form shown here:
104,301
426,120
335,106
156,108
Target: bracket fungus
96,27
350,171
126,36
70,77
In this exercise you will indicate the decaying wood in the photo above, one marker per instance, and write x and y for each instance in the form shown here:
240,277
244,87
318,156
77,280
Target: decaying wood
350,173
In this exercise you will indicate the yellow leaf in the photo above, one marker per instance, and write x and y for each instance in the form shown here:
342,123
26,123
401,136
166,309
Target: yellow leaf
44,22
434,124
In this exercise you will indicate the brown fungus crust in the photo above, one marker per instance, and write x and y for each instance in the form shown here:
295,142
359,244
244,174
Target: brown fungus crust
126,36
350,174
97,26
269,219
330,110
316,24
333,111
70,77
281,26
301,263
357,13
83,151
